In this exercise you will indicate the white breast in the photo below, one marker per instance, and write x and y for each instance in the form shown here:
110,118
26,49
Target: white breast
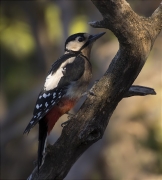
52,80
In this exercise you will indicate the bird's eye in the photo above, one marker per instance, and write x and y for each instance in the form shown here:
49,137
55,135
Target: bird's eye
81,39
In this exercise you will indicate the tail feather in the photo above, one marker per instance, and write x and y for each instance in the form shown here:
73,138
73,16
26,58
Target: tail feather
42,141
31,124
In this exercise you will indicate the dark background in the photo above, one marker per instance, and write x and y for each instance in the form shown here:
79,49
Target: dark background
32,36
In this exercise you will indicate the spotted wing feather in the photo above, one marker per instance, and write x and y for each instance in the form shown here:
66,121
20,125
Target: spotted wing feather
45,101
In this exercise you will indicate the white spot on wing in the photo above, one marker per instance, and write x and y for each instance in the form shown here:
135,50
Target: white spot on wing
37,106
46,104
40,97
52,80
45,95
31,122
39,114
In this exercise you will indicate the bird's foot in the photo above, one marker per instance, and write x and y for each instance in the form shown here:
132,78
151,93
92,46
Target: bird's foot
84,94
65,123
88,92
91,92
70,115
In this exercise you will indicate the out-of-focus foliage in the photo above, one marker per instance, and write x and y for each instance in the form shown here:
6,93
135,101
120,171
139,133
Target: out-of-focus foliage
54,26
32,36
79,23
16,37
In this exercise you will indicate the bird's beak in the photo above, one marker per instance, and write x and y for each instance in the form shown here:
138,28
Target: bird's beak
93,38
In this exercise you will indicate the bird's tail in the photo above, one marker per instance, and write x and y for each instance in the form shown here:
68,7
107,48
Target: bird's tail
42,142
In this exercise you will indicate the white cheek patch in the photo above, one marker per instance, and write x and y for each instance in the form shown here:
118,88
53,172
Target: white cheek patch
52,80
74,45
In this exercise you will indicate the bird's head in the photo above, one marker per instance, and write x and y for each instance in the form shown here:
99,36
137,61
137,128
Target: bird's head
81,43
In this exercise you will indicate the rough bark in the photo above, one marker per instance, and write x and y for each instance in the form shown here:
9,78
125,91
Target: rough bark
136,36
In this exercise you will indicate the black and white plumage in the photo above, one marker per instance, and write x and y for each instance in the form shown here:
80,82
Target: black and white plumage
67,70
46,100
64,85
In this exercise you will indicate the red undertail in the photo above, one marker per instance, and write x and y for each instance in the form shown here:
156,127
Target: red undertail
46,124
57,111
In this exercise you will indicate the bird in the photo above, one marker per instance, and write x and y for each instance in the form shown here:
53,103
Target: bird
66,82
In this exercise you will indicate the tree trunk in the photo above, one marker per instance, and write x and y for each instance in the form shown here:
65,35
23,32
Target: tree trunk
136,36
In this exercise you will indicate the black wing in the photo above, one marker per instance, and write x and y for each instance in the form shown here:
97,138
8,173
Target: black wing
47,99
59,61
72,71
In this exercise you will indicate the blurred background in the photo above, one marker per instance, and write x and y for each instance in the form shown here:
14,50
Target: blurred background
32,36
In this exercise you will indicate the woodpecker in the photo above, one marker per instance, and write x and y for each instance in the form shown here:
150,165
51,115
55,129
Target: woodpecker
65,83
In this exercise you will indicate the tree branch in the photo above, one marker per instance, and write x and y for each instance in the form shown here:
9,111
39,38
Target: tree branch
136,39
139,91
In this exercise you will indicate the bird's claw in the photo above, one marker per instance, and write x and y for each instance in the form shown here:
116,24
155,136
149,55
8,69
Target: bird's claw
91,93
70,115
65,123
